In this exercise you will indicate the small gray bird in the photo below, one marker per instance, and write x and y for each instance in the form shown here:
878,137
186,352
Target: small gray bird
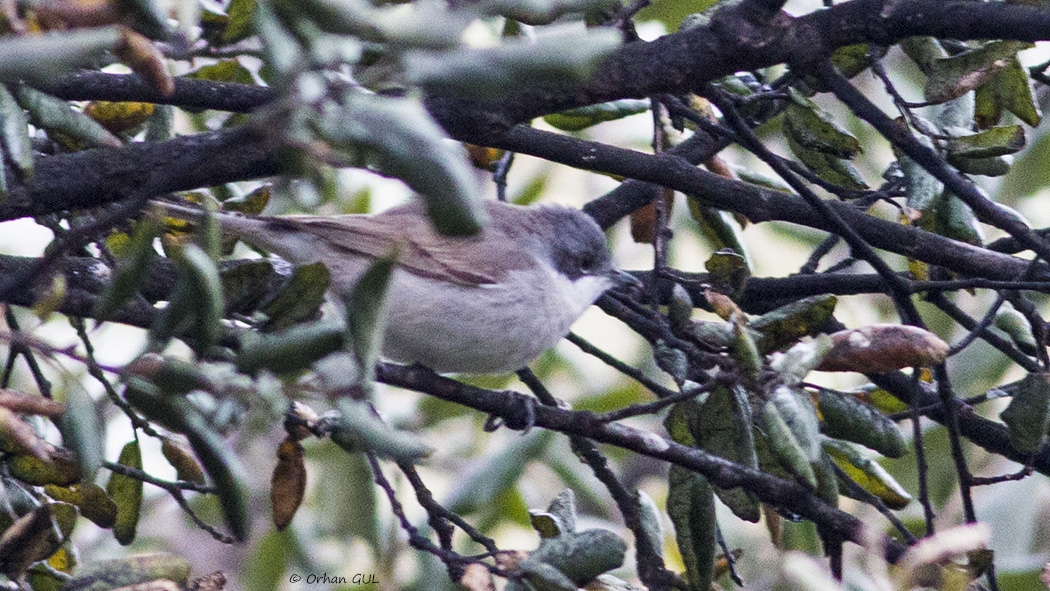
489,303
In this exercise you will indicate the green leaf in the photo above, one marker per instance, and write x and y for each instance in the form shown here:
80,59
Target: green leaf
124,572
229,70
127,494
813,129
1011,89
56,116
300,298
14,132
922,188
723,427
223,467
1028,415
720,229
827,166
560,61
868,474
43,58
419,25
359,429
784,446
408,144
82,430
955,219
788,323
198,270
847,417
584,117
246,284
497,473
240,24
954,76
691,506
289,350
997,141
581,556
93,502
728,272
132,271
366,309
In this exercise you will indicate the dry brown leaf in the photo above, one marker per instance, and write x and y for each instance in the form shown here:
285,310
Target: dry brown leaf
288,483
880,348
139,54
30,404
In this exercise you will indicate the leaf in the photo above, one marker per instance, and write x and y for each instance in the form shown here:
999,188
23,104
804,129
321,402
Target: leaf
288,483
186,466
125,572
479,488
229,70
139,54
408,144
868,474
784,446
827,166
26,541
289,350
366,309
14,132
59,468
127,494
580,556
239,25
954,76
132,271
1028,415
997,141
93,502
880,348
691,506
120,117
921,187
199,273
43,58
813,129
786,324
1011,89
359,429
584,117
721,230
17,436
723,426
554,62
847,417
224,468
795,364
82,430
728,272
56,116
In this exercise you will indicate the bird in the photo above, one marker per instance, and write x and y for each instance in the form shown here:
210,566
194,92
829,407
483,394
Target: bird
484,304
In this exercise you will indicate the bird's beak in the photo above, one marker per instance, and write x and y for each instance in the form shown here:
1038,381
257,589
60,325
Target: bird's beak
623,280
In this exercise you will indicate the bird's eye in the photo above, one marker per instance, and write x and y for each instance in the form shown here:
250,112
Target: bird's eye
588,262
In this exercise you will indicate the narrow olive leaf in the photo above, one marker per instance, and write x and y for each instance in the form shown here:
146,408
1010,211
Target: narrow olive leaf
120,117
239,25
720,229
290,350
680,309
57,117
60,468
408,144
44,58
563,506
359,429
557,61
728,272
1013,89
746,352
850,418
288,483
798,411
722,426
186,466
997,141
224,468
787,324
1017,326
425,26
827,479
541,575
26,541
990,167
816,130
50,299
584,117
127,494
921,187
1028,415
867,473
132,271
784,446
691,506
833,169
497,473
202,277
366,310
546,524
82,430
229,70
94,503
125,572
955,219
883,347
650,522
672,360
795,364
581,556
14,132
300,299
954,76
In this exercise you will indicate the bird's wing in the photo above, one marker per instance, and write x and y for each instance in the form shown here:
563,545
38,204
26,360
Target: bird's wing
477,260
